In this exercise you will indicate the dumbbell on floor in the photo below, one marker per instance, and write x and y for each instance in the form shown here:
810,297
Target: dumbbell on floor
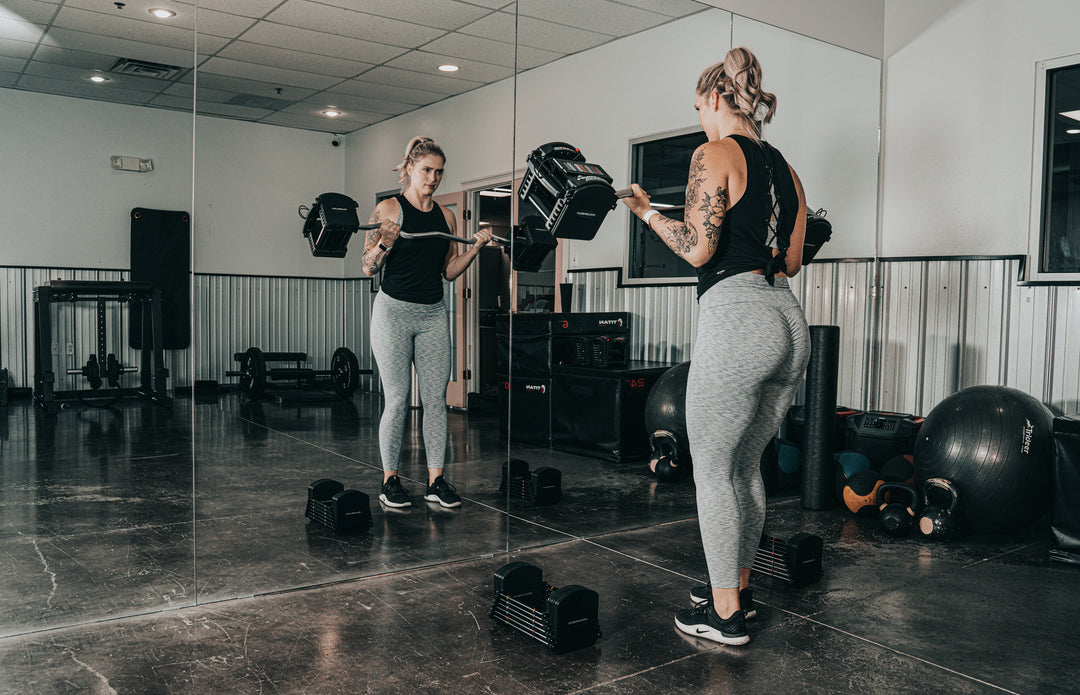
340,510
560,619
541,486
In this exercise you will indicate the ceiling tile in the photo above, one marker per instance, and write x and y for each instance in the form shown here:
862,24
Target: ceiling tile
670,8
170,102
84,89
505,5
361,88
18,30
293,120
81,41
281,36
351,116
7,79
244,8
264,73
29,11
209,22
351,102
445,14
424,62
293,60
76,74
474,48
9,64
77,59
537,33
419,80
237,85
16,49
603,16
124,28
357,25
184,91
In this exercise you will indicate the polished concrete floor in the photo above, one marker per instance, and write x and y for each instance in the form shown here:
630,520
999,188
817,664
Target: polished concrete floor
149,550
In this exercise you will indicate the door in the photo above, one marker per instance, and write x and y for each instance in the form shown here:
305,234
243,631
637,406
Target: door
459,307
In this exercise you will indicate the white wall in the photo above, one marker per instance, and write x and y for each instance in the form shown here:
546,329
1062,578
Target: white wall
854,24
474,130
249,180
644,85
63,205
958,122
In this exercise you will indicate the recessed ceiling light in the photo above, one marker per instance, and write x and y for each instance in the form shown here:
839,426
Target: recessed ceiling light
449,68
98,78
1073,131
332,113
162,13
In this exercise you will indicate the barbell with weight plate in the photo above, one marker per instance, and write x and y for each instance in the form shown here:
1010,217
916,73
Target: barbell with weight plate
344,371
92,371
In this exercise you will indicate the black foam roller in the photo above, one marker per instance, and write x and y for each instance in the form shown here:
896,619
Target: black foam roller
818,473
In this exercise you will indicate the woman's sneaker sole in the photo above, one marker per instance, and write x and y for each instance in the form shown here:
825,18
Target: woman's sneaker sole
710,633
436,498
388,503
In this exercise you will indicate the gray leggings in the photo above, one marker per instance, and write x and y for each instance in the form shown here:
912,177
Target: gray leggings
404,334
749,358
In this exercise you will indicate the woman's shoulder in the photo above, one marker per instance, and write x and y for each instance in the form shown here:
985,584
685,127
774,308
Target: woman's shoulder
389,208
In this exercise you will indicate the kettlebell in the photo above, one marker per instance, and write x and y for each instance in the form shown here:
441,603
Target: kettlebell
897,518
937,521
666,454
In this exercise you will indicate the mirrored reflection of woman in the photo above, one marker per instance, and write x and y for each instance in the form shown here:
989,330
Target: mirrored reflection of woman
752,344
409,322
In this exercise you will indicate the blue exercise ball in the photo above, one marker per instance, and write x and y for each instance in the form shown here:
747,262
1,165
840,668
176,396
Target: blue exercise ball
995,444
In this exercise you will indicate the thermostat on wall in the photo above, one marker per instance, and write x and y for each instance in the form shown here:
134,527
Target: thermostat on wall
124,163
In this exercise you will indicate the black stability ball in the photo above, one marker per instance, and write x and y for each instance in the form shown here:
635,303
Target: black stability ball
665,409
996,445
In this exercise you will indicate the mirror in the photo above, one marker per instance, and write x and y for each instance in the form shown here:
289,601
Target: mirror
298,100
580,380
95,490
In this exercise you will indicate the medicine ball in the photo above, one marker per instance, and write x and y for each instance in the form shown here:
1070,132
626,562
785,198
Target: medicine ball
860,492
665,408
848,463
996,446
899,469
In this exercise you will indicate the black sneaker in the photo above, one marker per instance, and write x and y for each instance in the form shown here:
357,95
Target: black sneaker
702,594
393,494
443,492
704,622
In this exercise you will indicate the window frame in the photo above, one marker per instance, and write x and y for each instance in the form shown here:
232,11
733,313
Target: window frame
1033,273
631,221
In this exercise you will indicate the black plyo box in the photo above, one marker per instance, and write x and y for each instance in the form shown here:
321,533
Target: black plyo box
601,412
526,408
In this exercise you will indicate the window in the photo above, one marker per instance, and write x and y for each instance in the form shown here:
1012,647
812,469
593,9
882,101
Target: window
661,167
1054,238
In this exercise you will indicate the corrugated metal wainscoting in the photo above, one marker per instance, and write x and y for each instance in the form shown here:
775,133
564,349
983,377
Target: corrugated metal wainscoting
230,314
941,325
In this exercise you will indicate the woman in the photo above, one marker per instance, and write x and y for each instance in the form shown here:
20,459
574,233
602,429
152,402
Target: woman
409,323
752,342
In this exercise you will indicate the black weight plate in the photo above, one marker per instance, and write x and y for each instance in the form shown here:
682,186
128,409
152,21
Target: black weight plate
253,373
112,370
345,372
93,372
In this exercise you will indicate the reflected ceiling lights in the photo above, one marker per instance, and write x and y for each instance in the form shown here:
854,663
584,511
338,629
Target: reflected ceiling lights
98,78
1073,131
162,13
332,112
449,68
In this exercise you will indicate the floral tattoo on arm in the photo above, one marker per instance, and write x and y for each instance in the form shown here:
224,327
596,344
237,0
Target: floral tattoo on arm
373,258
682,237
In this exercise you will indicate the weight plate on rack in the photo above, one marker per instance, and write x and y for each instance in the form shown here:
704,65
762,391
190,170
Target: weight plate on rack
112,370
345,372
253,373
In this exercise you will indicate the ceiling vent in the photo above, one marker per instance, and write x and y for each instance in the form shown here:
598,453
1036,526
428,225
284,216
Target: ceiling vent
144,68
258,102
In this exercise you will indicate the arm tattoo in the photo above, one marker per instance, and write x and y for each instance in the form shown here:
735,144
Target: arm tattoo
682,237
373,258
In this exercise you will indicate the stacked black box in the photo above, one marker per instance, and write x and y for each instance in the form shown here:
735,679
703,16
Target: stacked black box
601,412
592,339
530,420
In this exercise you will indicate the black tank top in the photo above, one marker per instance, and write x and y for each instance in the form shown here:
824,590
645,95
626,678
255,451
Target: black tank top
748,232
413,270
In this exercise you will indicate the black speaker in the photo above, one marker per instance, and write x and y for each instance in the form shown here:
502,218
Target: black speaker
161,256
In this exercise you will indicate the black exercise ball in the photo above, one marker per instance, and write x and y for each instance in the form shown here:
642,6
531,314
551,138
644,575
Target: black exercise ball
665,409
996,445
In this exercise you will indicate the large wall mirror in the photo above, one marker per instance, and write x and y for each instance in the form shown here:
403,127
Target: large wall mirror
299,100
580,378
95,496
